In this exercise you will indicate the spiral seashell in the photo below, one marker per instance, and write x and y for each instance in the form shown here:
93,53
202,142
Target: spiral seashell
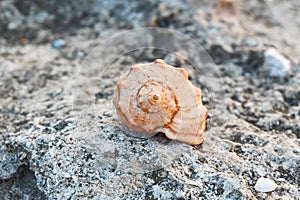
157,97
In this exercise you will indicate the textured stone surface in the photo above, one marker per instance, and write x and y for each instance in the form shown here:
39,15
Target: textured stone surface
57,145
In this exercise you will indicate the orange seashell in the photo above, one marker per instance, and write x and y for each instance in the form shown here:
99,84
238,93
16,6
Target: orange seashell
157,97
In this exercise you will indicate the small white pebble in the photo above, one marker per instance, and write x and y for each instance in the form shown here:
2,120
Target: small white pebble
58,43
80,54
265,185
281,179
278,65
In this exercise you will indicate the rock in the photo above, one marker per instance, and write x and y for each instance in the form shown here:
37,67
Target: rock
23,185
63,11
10,17
277,65
265,185
9,163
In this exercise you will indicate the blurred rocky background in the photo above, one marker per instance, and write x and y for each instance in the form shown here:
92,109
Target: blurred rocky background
253,154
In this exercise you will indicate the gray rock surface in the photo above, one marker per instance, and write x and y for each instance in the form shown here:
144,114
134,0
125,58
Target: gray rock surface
61,139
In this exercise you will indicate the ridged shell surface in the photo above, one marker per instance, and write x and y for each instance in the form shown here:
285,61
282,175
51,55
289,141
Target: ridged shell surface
157,97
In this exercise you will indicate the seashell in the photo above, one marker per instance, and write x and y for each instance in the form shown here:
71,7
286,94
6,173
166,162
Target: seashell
157,97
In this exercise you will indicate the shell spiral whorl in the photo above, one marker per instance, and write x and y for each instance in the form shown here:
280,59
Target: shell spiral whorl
157,97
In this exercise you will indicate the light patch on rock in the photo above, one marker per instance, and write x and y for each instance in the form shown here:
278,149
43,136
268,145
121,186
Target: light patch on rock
159,193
